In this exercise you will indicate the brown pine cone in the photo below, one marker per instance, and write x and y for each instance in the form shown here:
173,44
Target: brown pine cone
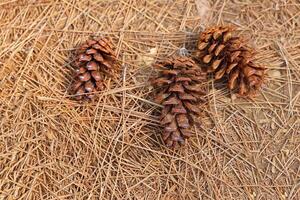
94,59
180,90
227,56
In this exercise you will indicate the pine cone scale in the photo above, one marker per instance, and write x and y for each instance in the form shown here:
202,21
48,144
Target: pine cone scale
91,51
84,57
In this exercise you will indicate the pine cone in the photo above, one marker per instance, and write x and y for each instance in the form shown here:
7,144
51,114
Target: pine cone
94,59
180,90
227,56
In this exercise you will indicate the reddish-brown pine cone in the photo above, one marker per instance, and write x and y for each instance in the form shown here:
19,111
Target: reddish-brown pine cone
225,55
94,59
180,89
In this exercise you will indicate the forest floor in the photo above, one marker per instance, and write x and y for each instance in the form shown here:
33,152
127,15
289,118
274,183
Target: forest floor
52,147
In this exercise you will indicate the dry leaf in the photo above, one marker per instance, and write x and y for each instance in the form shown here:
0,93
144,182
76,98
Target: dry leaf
148,58
6,68
204,10
264,121
274,73
49,134
273,125
233,97
273,169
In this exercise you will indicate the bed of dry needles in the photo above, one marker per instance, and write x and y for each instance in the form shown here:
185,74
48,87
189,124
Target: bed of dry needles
52,147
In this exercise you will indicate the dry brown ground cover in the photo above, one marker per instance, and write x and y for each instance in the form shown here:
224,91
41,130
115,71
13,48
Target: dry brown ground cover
52,147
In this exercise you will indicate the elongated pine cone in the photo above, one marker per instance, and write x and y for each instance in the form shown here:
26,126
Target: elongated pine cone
227,56
94,59
180,89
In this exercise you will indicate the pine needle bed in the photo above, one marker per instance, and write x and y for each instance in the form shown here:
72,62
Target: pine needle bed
52,147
